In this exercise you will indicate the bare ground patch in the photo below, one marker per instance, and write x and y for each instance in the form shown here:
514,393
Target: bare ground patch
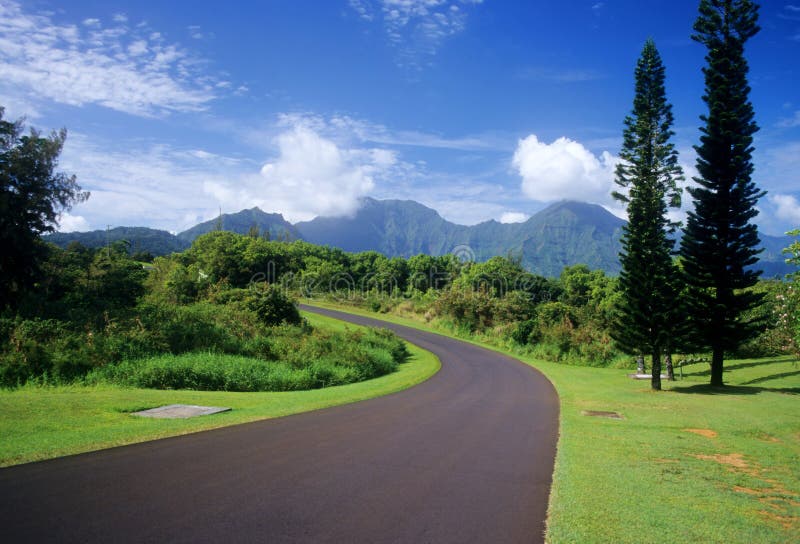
708,433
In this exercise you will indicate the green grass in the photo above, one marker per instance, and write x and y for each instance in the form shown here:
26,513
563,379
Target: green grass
647,478
43,422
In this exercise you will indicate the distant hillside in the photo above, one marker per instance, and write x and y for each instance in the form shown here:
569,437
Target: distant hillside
157,242
567,233
241,222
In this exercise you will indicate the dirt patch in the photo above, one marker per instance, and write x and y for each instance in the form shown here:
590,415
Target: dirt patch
770,439
747,490
600,413
735,460
787,522
779,501
708,433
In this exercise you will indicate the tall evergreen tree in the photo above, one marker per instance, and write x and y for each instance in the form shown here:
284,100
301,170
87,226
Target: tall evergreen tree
648,176
720,242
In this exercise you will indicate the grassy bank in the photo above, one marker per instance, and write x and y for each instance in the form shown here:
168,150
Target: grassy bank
44,422
689,464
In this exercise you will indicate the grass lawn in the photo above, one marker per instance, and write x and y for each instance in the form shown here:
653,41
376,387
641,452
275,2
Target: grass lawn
44,422
688,464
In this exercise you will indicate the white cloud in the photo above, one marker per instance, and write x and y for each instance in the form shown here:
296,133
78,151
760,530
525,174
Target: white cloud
787,208
132,71
514,217
72,223
313,176
417,28
564,169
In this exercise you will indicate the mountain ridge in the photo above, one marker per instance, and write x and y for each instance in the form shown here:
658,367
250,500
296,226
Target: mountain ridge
564,233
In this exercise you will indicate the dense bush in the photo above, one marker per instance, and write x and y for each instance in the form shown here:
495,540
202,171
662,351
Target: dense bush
272,306
304,360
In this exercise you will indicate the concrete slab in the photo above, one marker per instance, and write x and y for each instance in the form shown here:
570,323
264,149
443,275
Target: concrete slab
180,411
601,413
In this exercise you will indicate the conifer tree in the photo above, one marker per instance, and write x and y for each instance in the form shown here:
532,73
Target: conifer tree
720,243
648,176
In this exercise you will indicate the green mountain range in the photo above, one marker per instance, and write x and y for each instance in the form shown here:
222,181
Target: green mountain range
562,234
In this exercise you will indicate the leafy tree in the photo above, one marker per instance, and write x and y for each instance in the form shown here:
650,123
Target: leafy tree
32,195
720,243
789,301
648,175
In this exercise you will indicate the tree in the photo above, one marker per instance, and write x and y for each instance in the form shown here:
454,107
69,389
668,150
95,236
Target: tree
720,244
32,195
648,174
788,308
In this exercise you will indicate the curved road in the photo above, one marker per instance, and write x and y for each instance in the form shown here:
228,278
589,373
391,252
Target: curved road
466,456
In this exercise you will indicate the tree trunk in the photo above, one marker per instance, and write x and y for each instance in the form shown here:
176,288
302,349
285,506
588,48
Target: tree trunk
716,366
655,381
668,364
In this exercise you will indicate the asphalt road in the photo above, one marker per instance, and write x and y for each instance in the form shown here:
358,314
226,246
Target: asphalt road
466,456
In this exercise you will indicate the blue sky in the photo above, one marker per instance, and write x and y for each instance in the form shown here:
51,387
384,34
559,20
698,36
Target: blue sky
480,109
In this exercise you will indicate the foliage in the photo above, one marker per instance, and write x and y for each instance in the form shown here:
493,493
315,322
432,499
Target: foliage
302,361
787,309
720,242
272,305
32,195
141,240
649,173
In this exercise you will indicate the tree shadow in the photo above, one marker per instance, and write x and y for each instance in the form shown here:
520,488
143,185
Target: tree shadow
729,368
705,389
772,377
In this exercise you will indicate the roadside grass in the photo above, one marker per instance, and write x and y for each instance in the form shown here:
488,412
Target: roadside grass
39,423
688,464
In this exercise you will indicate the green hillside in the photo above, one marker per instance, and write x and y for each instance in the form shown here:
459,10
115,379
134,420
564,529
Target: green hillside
156,242
241,222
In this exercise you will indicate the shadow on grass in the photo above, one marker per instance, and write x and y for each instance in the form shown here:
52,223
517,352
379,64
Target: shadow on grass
728,368
772,377
705,389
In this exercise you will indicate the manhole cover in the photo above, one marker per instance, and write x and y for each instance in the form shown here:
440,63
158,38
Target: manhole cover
600,413
180,411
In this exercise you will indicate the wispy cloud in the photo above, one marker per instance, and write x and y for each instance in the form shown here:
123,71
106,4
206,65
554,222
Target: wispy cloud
559,75
348,130
416,28
129,69
790,122
147,183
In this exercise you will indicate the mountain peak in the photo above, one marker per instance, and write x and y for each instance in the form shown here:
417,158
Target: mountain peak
242,221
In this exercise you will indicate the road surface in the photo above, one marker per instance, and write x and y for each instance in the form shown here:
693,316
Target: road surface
466,456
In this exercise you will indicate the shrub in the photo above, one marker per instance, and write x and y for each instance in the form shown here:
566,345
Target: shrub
272,305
